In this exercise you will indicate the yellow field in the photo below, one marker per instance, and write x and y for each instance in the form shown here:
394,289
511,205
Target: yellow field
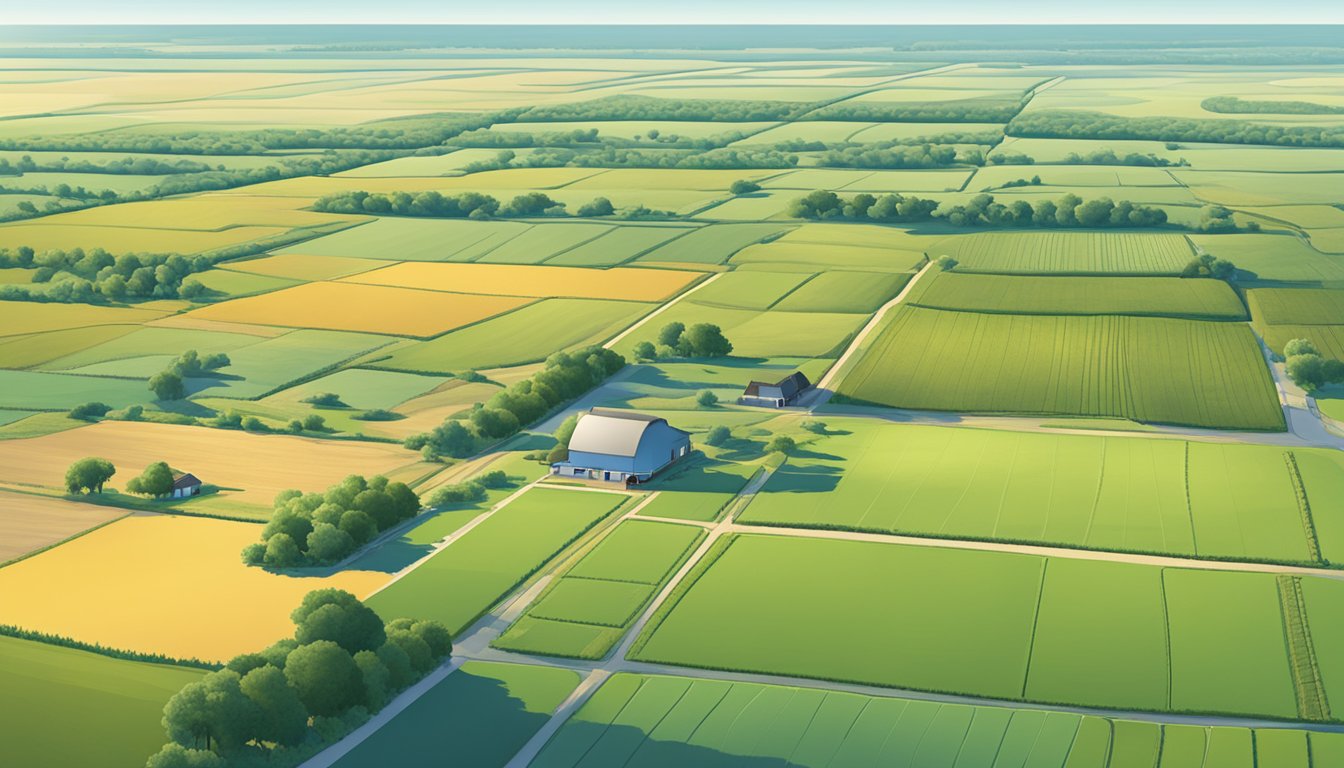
300,267
162,584
250,468
367,308
42,237
212,211
31,522
199,324
17,317
536,281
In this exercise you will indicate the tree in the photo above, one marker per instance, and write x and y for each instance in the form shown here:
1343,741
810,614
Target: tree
284,720
326,678
377,678
744,187
167,385
338,616
781,444
494,422
1296,347
156,480
718,435
174,755
282,552
644,350
599,206
89,411
327,543
1307,371
705,340
671,334
706,398
314,423
325,400
88,475
212,713
946,263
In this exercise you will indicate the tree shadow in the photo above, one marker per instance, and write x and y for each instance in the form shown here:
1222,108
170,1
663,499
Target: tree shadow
811,479
699,475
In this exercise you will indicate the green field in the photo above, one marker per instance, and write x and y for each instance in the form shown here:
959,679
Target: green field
398,239
844,292
59,391
1147,369
363,389
272,364
1296,306
1076,253
748,290
486,711
1227,653
460,583
618,245
1030,295
712,244
1169,497
647,721
585,612
526,335
113,705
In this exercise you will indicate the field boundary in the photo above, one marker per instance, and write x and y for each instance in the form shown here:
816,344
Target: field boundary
64,641
1308,684
1303,506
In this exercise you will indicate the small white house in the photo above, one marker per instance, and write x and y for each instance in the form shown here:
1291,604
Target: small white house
185,485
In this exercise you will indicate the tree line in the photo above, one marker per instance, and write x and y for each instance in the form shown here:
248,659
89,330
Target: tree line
283,704
633,107
565,376
982,138
676,340
895,156
1235,106
980,211
1069,124
134,166
616,157
486,137
989,110
471,205
77,275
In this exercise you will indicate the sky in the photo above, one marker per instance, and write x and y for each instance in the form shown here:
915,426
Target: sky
677,12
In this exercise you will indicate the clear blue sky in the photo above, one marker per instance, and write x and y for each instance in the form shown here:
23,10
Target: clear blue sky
676,12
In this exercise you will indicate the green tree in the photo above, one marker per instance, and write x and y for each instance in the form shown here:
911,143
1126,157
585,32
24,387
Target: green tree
174,755
283,720
671,334
327,543
156,480
338,616
88,475
167,385
89,411
706,398
212,713
599,206
644,350
744,187
946,263
282,552
314,423
326,678
359,526
781,444
377,678
494,422
718,435
1296,347
705,340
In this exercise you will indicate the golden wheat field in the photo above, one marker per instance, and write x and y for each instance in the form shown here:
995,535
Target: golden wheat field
629,283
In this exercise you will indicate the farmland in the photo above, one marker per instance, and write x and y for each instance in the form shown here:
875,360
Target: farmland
1052,497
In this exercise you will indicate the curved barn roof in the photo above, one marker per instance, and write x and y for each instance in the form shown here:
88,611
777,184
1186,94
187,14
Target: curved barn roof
610,432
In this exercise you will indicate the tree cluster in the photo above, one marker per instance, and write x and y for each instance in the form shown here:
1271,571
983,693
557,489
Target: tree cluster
987,110
465,205
324,528
1232,105
1011,158
134,166
170,383
565,376
588,139
723,158
342,664
156,481
88,475
469,491
95,275
676,340
632,107
893,156
1108,157
980,211
1205,265
1216,218
1070,124
1308,369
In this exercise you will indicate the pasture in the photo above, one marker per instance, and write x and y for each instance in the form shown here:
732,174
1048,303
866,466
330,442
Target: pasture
1067,253
460,583
1156,370
195,597
1227,653
586,611
114,705
1133,494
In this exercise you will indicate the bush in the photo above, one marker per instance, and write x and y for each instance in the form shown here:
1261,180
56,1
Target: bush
781,444
744,187
946,263
325,400
706,398
718,435
89,411
378,414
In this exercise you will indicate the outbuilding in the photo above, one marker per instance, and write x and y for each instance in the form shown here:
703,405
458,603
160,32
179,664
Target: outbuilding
621,447
185,485
777,394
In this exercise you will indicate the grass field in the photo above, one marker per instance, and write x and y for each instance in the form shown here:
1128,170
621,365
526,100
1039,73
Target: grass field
1081,253
619,245
1227,651
844,292
1296,306
361,388
1145,296
460,583
749,289
486,711
114,705
647,721
527,335
799,256
713,244
249,469
1095,492
1147,369
535,282
194,595
585,612
326,306
31,522
412,240
18,317
59,391
274,363
299,267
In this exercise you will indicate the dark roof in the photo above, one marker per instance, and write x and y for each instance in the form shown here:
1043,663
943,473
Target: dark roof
789,386
185,481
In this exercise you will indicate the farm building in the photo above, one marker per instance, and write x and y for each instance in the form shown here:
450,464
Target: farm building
185,485
776,395
621,446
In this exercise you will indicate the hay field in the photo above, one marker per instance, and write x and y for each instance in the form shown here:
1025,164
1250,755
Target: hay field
631,284
54,235
361,308
248,468
1147,369
1143,296
299,267
29,522
18,317
188,594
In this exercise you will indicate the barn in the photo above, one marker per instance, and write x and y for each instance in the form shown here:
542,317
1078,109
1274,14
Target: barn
775,394
185,485
621,447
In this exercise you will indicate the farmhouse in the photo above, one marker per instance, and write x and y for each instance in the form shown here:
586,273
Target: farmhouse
185,485
621,447
776,395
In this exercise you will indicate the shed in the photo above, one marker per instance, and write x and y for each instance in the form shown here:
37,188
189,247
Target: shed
621,446
777,394
185,485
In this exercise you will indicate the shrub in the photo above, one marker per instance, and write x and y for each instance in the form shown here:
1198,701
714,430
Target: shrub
89,411
325,400
744,187
946,263
718,435
781,444
378,414
706,398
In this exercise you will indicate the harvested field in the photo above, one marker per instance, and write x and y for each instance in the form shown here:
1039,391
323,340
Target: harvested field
29,522
397,311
